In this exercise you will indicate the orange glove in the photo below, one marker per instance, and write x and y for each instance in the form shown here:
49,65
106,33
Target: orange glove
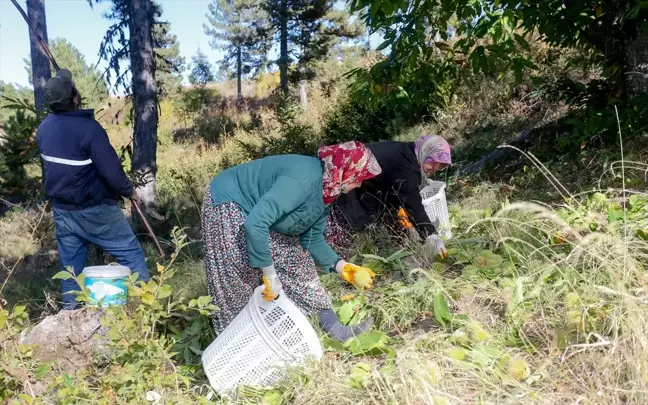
360,277
403,219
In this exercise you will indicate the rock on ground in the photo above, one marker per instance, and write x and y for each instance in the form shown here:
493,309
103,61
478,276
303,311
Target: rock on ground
66,337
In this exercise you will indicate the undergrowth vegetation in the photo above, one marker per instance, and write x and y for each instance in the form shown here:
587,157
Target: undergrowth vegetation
536,304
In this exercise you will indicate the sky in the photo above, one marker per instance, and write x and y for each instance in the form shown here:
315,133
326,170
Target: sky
85,27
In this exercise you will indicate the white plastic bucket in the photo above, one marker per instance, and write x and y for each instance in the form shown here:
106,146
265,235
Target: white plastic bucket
258,346
433,197
107,283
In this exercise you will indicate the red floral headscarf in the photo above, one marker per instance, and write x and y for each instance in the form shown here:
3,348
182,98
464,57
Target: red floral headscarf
344,164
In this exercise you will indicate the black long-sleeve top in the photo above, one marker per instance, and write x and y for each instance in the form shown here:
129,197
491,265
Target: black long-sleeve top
397,186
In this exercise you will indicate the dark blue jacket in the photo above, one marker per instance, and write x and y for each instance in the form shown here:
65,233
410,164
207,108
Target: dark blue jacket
81,167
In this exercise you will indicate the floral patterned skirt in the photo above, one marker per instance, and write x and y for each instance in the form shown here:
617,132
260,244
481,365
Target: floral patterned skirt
338,232
230,279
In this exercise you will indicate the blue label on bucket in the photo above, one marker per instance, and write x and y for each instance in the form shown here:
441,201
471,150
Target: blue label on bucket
112,291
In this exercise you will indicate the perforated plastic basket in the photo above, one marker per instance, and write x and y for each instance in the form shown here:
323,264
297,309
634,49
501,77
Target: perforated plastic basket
434,201
259,345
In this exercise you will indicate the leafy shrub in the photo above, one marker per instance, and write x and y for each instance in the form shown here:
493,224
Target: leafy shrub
380,106
293,136
359,122
150,350
18,149
191,101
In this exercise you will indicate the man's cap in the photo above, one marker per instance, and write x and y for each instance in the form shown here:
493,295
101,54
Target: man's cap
58,89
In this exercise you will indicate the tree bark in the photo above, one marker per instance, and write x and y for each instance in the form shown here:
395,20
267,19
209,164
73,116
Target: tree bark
637,61
239,73
41,71
303,93
144,99
283,47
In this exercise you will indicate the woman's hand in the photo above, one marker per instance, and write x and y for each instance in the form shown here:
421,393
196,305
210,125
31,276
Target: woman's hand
436,245
360,277
271,282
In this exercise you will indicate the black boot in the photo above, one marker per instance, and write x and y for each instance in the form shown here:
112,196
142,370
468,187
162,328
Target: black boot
329,321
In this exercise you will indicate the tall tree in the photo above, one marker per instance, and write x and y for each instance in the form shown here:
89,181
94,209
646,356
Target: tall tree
40,63
169,65
145,97
130,38
87,79
201,70
306,31
238,27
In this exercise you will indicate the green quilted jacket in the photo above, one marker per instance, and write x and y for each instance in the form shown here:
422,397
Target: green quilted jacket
278,193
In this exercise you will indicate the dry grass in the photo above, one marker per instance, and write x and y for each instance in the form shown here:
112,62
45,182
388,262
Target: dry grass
24,233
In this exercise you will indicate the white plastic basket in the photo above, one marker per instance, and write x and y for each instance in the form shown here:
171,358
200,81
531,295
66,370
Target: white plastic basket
259,345
433,197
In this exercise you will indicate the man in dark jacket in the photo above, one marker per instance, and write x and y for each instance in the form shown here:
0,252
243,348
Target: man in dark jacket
84,180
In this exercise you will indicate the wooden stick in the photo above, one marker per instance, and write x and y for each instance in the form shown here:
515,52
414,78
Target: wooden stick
40,39
148,228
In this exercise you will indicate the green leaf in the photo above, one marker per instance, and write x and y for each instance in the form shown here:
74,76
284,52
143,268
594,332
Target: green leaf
17,311
384,45
28,399
4,315
81,280
42,371
148,298
195,348
615,215
333,345
346,312
522,42
441,309
375,257
164,291
398,255
359,374
68,381
62,275
456,353
272,398
204,301
368,342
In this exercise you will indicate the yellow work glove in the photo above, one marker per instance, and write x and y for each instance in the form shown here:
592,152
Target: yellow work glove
360,277
271,282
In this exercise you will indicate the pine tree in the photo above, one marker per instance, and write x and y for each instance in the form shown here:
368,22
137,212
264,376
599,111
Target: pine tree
239,27
306,30
40,61
201,70
9,94
130,37
16,151
169,65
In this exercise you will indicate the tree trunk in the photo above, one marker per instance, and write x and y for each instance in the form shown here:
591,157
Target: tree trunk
283,47
239,73
41,71
637,62
303,93
144,99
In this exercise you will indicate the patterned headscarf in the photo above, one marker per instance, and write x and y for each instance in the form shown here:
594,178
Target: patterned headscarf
344,164
432,149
